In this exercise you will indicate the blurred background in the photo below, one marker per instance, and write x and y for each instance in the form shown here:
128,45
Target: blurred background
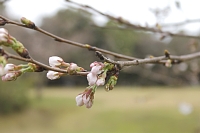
148,98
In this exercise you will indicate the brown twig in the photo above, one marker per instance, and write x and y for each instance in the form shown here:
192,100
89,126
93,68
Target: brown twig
154,60
130,25
57,38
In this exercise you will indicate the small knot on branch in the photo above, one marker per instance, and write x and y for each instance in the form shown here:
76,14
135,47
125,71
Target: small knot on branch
58,40
89,47
99,55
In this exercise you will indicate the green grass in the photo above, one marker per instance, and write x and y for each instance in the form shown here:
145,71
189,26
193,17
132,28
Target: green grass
123,110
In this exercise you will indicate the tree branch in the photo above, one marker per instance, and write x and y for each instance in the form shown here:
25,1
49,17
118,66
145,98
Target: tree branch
120,20
153,60
46,67
57,38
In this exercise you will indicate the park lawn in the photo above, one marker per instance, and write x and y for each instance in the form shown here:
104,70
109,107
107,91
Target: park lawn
122,110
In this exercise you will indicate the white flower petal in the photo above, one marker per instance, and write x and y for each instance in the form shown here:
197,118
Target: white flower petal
85,99
4,31
73,66
96,70
91,78
9,67
100,81
53,75
89,104
9,76
79,100
55,61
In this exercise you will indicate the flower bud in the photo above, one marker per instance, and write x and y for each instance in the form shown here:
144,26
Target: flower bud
53,75
79,100
72,68
10,76
35,68
9,68
55,61
20,49
85,98
91,79
168,63
3,60
27,22
100,81
111,83
3,36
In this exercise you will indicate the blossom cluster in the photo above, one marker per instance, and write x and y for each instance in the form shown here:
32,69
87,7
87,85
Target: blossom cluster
96,77
10,71
58,62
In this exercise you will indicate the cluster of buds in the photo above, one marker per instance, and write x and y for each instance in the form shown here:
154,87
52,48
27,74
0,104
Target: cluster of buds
86,98
96,77
57,62
7,40
11,71
97,74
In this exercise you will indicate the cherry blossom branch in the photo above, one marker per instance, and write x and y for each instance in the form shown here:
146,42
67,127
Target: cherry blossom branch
154,60
45,67
120,20
59,39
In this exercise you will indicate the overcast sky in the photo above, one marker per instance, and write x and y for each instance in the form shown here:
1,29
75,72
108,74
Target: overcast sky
136,11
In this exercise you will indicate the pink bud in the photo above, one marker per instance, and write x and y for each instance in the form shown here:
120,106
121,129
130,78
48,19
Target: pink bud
89,104
85,98
100,81
91,78
55,61
73,66
96,70
9,76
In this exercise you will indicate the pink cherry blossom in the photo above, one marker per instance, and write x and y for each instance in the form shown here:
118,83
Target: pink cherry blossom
55,61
